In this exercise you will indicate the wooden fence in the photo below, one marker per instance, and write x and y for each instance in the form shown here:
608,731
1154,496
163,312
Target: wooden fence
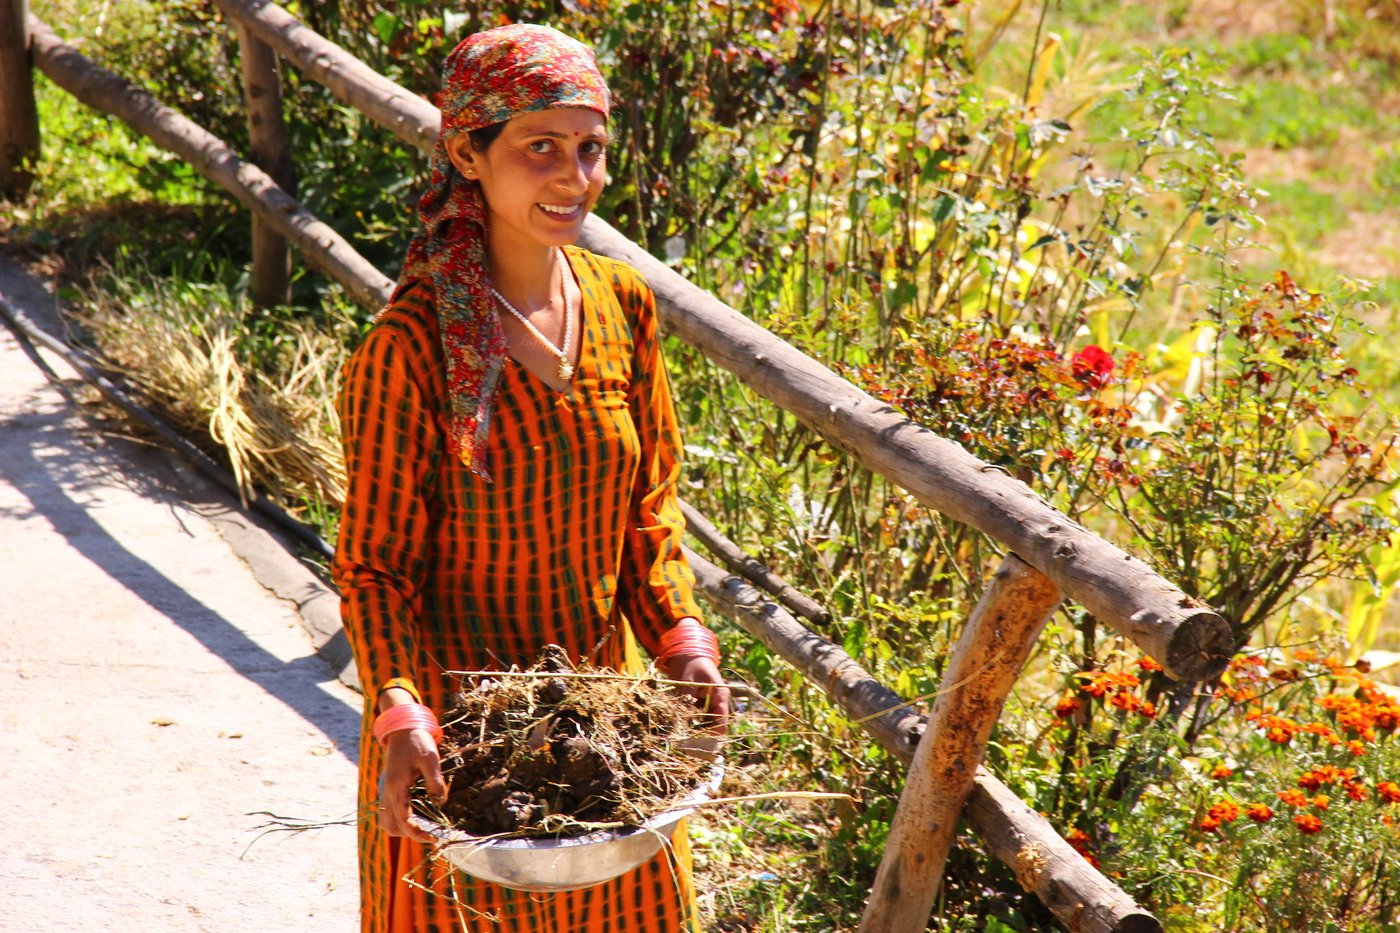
1051,558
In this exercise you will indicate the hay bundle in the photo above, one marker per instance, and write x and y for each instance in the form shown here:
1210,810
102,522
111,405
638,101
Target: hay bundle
560,750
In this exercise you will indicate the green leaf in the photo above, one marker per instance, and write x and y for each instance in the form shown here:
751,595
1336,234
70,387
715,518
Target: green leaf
386,26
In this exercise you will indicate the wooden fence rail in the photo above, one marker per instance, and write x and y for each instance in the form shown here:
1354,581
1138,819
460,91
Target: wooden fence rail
1052,556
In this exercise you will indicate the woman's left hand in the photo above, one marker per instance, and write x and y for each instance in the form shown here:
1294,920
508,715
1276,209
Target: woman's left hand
708,688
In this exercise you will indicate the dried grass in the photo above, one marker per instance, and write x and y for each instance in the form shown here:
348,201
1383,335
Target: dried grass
183,349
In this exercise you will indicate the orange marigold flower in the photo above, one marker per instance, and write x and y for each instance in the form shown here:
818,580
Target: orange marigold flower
1276,728
1321,801
1388,791
1226,811
1308,824
1148,709
1208,824
1334,702
1320,729
1147,664
1126,702
1259,813
1357,748
1323,774
1356,791
1101,683
1221,771
1079,841
1068,707
1293,797
1306,655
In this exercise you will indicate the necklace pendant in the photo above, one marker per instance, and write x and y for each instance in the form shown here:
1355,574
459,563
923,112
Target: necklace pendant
565,371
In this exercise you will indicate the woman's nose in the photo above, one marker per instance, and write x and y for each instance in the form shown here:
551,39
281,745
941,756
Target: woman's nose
574,173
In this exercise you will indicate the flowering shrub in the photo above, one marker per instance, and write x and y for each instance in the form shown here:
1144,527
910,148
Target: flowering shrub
1280,820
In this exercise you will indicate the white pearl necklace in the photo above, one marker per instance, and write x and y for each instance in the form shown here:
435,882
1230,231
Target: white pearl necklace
565,372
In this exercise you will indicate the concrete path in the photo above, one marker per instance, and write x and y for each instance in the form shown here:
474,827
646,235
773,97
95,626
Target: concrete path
155,697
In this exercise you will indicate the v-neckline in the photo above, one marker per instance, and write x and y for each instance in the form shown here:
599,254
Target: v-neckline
583,340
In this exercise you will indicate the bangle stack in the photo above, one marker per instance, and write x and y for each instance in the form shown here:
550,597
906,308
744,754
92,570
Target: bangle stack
406,716
689,637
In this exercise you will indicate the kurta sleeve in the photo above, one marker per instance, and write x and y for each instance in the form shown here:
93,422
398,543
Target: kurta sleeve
656,585
390,459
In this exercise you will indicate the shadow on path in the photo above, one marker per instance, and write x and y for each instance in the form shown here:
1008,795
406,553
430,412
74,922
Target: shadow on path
45,482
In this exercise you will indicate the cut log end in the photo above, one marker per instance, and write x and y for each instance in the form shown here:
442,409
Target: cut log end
1200,648
1138,923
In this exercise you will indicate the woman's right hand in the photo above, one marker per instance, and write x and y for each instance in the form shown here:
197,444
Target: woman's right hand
409,754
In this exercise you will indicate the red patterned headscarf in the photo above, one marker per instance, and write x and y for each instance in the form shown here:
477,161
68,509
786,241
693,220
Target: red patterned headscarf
489,78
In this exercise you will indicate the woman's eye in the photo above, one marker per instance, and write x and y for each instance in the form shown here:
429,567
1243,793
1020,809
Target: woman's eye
595,148
541,145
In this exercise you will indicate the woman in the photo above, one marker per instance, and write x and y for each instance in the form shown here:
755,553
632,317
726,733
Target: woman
512,456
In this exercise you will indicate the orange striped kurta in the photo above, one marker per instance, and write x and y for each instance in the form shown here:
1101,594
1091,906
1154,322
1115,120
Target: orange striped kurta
576,542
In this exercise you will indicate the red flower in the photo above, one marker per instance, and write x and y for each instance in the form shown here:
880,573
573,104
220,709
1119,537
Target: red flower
1092,366
1294,798
1221,772
1259,813
1147,664
1308,824
1388,791
1067,707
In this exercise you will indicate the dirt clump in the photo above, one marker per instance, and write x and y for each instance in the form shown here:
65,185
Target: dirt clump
560,749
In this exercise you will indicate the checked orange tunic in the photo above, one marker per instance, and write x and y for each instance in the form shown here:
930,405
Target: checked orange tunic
576,542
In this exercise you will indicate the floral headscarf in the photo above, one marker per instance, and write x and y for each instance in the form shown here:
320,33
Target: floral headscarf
489,78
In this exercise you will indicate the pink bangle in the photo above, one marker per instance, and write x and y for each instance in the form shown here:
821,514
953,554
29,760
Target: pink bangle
689,637
406,716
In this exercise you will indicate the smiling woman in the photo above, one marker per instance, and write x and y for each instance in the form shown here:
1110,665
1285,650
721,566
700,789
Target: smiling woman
510,485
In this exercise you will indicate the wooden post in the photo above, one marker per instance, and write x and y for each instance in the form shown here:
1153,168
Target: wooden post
400,111
19,119
1074,891
981,671
319,244
271,152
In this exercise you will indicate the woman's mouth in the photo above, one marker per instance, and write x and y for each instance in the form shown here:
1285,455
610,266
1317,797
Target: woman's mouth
562,211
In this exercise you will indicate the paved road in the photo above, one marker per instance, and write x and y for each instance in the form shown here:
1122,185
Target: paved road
154,694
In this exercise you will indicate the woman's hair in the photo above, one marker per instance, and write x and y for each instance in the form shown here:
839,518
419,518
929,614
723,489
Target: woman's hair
483,138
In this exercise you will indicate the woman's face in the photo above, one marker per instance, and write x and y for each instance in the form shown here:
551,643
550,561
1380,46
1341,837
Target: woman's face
540,177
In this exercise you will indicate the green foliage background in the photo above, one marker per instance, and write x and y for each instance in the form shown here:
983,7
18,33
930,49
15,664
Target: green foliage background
1041,230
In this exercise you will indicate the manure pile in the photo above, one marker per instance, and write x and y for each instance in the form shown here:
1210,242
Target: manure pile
562,750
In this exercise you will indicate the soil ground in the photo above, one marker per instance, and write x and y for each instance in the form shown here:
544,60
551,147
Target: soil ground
155,695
